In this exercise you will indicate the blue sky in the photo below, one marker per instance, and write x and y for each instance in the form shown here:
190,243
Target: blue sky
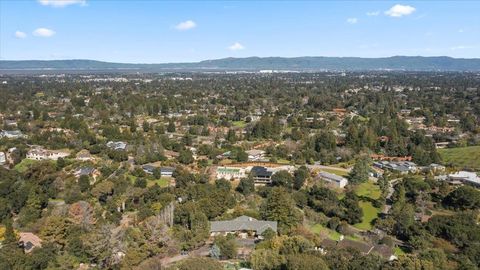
182,31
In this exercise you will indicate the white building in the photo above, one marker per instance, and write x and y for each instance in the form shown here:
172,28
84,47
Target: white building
11,134
117,145
333,179
255,155
3,158
469,178
44,154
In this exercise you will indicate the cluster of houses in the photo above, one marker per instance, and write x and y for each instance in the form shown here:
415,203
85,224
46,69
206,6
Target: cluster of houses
402,167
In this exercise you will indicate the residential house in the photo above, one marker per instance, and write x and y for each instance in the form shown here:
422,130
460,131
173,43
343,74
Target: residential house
84,155
117,145
261,175
164,171
3,158
469,178
244,226
11,134
39,153
255,155
333,179
88,171
29,241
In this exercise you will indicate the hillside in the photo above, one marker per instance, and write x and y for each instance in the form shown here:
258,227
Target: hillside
401,63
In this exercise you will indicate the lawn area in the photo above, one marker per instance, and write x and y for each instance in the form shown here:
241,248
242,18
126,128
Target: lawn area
239,124
162,182
337,172
462,156
283,161
398,251
319,229
369,213
368,189
23,165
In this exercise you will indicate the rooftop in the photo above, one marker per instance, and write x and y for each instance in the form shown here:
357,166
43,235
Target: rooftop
243,223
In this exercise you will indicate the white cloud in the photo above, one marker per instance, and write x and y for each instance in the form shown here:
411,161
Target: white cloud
20,34
461,31
236,47
186,25
62,3
43,32
400,11
373,13
352,20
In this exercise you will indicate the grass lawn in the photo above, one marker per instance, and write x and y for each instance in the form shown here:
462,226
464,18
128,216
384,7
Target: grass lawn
319,229
462,156
398,251
369,213
337,172
23,165
239,124
162,182
368,189
283,161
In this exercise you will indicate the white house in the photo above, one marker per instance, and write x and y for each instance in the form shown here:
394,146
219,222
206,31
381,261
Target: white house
3,158
255,155
333,179
469,178
117,145
44,154
11,134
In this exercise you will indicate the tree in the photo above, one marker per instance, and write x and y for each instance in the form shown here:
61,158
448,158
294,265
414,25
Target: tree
305,262
199,263
463,198
171,126
231,136
353,211
300,176
360,171
266,259
242,156
227,246
84,183
279,206
246,186
185,156
282,178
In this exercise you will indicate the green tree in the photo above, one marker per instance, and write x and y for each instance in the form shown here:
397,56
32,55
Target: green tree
300,176
279,206
360,171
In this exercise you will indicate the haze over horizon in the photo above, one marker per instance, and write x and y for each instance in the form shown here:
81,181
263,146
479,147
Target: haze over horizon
176,32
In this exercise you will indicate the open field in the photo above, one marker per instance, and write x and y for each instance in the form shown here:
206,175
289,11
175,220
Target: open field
162,182
462,156
321,230
369,213
240,124
368,189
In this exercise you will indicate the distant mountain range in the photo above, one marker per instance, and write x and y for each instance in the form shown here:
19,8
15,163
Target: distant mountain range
405,63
